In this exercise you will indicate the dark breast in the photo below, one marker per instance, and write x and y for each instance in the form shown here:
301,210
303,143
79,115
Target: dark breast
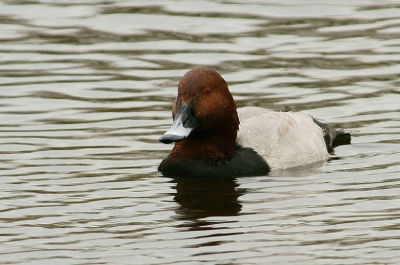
243,162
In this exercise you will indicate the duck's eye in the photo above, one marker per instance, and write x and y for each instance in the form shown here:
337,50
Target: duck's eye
207,91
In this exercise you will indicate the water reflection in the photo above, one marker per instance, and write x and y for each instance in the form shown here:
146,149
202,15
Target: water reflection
87,88
200,198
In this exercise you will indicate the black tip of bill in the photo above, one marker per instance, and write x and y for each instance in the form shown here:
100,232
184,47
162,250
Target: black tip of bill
169,138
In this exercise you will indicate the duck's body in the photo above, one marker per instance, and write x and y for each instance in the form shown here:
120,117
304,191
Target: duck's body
209,141
283,139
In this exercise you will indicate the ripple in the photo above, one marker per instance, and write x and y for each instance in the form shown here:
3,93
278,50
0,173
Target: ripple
88,88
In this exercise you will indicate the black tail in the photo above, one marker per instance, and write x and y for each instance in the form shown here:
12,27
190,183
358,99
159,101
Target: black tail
333,137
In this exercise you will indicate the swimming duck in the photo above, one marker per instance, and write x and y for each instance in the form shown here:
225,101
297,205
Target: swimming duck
214,139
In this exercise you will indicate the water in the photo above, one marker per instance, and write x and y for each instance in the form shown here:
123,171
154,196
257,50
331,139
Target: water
86,89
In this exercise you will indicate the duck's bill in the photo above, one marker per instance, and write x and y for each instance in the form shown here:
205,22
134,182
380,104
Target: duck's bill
184,123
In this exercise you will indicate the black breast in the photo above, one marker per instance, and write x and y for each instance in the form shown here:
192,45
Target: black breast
243,162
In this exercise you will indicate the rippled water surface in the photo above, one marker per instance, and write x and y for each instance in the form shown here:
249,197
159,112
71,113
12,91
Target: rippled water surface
86,89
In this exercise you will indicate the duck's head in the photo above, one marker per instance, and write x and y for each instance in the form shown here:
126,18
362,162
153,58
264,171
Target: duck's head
204,111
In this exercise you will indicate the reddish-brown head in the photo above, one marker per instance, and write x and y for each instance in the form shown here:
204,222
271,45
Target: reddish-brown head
215,110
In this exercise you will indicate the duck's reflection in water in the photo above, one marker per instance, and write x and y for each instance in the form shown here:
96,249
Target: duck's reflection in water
200,198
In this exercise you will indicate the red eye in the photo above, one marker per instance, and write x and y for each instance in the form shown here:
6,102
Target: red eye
207,91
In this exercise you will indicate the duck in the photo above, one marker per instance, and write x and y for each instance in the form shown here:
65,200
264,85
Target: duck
212,138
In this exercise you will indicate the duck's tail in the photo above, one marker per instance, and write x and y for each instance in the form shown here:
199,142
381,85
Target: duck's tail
333,137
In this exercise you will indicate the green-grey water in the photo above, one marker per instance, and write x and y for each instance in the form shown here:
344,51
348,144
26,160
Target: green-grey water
86,89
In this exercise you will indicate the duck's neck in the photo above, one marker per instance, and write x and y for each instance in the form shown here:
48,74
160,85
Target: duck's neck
211,148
